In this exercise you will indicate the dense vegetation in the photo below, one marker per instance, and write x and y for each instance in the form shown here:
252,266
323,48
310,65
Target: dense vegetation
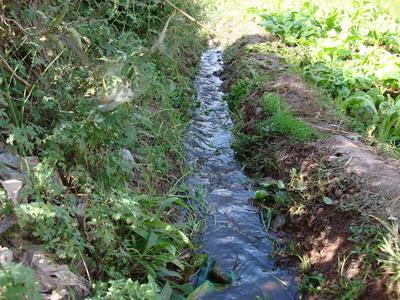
95,97
352,52
100,92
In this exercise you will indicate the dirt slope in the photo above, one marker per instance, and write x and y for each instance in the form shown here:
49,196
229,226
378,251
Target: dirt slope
378,175
359,179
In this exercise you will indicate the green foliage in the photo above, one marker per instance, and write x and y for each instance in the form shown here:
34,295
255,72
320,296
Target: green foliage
126,289
18,282
54,225
352,53
281,120
312,283
93,88
390,258
350,288
274,118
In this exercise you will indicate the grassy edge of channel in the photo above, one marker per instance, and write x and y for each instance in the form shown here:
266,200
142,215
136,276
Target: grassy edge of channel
266,133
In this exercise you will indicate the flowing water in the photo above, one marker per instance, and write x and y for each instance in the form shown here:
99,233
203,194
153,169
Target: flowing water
234,237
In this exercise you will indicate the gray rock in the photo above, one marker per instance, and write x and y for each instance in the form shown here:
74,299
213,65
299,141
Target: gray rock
12,187
51,276
7,173
10,160
6,256
6,222
127,155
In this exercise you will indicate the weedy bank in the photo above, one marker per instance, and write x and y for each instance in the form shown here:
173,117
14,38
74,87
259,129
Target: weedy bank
351,51
94,101
292,134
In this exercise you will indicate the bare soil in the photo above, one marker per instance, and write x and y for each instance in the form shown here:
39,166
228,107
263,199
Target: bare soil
341,166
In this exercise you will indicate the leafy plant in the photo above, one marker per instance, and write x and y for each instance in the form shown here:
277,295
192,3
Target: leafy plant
350,54
312,283
105,115
127,289
18,282
390,258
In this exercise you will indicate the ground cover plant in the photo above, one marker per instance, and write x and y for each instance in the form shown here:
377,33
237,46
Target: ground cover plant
351,51
99,93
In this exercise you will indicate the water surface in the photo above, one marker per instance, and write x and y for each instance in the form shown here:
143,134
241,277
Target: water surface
234,236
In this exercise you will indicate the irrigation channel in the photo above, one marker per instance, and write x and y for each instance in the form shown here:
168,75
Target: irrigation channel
234,237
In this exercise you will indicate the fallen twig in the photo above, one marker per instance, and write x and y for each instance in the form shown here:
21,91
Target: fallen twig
86,268
15,75
330,129
208,29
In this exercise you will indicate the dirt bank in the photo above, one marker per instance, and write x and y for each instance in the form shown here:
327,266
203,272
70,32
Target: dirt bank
345,181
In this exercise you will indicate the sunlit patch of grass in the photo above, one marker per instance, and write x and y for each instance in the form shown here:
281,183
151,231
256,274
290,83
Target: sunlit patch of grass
390,258
280,120
305,264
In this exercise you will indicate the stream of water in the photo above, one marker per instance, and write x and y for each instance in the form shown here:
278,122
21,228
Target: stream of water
234,237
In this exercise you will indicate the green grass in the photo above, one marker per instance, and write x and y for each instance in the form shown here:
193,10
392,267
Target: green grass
348,54
281,121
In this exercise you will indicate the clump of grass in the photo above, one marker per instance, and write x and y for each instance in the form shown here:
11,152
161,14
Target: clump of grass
243,88
280,120
390,257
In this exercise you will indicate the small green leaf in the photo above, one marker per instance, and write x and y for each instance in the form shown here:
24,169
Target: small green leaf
166,292
268,183
327,200
300,186
281,197
152,240
281,185
261,194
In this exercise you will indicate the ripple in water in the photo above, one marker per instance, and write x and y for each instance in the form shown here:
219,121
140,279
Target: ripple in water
234,237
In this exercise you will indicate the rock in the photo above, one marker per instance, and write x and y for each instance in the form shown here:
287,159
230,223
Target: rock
216,275
259,111
279,222
6,256
7,222
12,187
127,155
10,160
7,173
217,73
52,278
56,295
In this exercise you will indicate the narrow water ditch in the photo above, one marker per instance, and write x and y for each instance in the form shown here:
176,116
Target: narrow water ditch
234,237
